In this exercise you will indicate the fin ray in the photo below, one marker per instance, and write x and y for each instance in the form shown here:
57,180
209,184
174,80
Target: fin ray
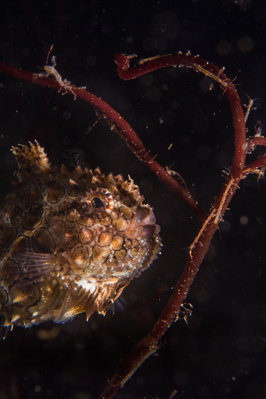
25,268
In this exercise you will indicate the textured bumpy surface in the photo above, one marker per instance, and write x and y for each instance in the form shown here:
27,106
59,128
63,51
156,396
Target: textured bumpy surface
70,242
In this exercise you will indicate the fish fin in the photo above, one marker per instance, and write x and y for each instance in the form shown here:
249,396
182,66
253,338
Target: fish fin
27,267
4,330
63,307
31,159
51,309
118,306
61,311
4,327
81,301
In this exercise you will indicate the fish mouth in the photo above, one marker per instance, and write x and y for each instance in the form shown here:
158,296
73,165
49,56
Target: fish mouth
143,224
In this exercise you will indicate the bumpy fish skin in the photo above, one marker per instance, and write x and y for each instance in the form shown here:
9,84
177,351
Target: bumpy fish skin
70,241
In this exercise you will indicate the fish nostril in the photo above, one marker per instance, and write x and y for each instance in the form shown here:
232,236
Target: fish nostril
144,217
149,230
143,224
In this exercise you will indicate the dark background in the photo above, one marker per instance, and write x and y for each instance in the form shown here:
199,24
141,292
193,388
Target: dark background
220,353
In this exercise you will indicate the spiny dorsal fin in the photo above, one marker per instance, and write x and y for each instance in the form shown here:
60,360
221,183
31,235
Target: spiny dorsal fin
31,159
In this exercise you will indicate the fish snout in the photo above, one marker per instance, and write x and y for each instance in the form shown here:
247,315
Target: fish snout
143,224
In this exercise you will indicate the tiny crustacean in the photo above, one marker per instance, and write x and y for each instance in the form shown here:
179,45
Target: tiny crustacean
70,241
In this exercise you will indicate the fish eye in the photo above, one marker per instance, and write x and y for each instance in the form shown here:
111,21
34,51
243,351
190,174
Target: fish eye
96,202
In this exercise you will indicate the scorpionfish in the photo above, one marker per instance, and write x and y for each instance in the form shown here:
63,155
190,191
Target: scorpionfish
70,241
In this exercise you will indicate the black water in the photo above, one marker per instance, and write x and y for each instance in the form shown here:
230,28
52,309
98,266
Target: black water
220,353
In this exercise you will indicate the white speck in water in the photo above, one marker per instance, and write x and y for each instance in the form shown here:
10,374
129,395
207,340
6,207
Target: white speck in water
243,220
37,388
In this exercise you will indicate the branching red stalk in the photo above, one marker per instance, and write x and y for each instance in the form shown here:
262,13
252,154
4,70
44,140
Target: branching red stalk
125,131
256,141
208,69
258,166
200,245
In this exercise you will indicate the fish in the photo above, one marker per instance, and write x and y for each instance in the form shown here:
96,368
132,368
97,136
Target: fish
70,240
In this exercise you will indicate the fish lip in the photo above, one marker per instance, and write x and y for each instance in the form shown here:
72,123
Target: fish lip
143,224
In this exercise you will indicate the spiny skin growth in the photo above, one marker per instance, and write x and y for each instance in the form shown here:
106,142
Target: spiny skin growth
70,241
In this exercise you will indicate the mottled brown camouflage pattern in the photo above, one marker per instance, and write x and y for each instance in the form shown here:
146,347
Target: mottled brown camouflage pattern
70,241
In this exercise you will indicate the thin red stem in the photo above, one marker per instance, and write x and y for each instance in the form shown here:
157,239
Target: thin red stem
257,166
149,344
200,245
260,163
208,69
256,141
125,131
